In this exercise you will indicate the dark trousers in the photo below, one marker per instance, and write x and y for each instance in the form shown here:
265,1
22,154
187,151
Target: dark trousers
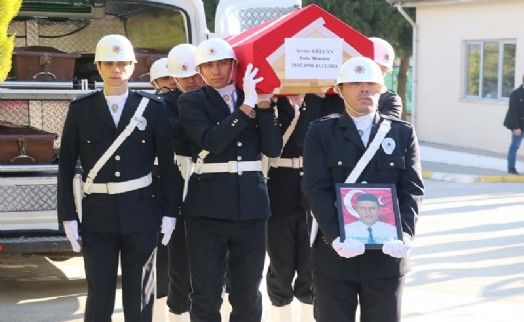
137,254
209,241
288,250
172,267
179,281
162,267
336,300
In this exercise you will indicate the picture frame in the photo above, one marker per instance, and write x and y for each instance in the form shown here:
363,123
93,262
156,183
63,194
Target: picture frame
377,204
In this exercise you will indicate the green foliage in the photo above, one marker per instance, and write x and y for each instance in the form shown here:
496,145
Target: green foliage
8,9
210,7
373,18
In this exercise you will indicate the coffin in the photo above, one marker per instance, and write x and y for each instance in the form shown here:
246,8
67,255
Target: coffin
38,63
25,144
301,52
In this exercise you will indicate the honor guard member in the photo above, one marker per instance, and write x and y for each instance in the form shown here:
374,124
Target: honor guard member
184,77
159,77
389,103
163,84
289,274
345,273
121,217
227,205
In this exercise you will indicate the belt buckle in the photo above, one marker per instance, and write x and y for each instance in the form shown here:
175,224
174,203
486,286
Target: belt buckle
111,187
232,166
296,163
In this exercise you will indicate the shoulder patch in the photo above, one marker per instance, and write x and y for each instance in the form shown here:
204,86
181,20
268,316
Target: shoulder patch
81,97
328,117
151,96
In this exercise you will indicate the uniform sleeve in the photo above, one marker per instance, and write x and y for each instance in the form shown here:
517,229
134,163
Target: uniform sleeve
390,104
200,129
410,187
171,192
270,133
68,156
317,184
309,111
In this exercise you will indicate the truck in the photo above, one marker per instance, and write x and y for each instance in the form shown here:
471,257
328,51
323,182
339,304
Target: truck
53,63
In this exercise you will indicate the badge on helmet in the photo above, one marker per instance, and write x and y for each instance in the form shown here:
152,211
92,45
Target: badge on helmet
181,61
358,70
114,48
158,69
213,49
384,53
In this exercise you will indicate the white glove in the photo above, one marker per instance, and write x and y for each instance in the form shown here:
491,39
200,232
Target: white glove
168,225
250,84
71,231
264,97
349,248
397,248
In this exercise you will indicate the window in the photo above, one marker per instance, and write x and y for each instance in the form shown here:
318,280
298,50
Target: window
490,68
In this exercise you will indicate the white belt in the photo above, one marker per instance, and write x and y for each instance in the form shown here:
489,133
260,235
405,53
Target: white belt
231,167
294,163
121,187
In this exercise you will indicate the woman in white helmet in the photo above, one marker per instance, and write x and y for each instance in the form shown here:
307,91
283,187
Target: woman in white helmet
346,273
390,103
121,217
227,206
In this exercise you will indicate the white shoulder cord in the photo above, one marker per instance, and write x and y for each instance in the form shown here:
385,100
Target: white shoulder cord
116,144
288,132
384,128
268,162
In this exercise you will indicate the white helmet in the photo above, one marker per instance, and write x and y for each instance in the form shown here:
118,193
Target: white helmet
213,49
181,61
158,69
384,53
360,69
114,48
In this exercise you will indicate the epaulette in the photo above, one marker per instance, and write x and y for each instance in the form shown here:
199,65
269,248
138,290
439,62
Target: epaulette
81,97
151,96
327,117
394,119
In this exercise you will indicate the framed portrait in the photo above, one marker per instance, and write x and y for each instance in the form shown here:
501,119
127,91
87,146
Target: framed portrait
368,213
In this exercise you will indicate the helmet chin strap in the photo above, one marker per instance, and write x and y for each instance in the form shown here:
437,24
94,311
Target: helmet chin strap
337,90
180,86
347,105
230,73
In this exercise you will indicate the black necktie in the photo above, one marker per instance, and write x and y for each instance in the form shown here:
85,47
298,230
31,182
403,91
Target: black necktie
371,240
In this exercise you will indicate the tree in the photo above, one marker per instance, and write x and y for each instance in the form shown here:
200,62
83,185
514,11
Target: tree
9,9
210,7
376,18
373,18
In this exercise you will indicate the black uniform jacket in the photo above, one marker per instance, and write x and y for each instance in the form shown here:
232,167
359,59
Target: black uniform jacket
284,183
209,125
88,132
515,115
390,104
181,142
332,149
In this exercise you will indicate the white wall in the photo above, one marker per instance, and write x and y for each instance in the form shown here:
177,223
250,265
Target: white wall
442,115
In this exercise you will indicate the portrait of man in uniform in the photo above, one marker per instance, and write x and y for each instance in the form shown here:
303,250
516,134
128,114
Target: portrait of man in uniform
368,215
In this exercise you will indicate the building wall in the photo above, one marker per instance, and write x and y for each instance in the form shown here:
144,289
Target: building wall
442,115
